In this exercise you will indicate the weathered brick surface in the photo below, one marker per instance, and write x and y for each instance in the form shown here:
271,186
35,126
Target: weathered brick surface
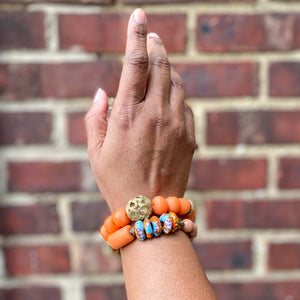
258,290
65,80
26,260
224,255
97,32
30,219
237,214
25,128
216,79
259,32
88,216
289,173
183,1
105,292
31,293
253,127
284,256
284,79
76,128
44,176
95,258
228,174
20,29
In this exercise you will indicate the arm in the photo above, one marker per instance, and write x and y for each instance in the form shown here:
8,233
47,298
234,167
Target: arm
146,148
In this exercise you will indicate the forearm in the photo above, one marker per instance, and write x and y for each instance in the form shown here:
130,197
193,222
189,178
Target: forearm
164,268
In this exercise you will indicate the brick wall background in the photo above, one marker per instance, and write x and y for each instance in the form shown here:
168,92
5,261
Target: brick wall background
240,61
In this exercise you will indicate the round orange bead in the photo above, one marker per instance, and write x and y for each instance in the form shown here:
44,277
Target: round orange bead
173,204
109,225
121,237
185,206
192,216
159,205
120,217
103,232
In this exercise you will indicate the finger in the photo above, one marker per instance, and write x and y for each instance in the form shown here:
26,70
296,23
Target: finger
177,94
159,69
190,126
96,123
135,70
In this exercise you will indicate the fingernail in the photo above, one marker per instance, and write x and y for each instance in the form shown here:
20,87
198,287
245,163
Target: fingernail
139,16
153,35
98,95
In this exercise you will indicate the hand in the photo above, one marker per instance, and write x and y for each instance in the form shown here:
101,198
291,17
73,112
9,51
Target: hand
146,148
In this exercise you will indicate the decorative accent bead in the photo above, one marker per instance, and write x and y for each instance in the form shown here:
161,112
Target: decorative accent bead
168,224
192,216
173,204
120,217
191,211
188,225
139,230
163,217
159,205
139,208
175,221
148,228
156,225
185,206
120,238
109,225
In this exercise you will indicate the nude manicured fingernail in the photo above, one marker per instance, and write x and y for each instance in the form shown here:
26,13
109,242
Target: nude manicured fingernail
139,16
98,95
153,35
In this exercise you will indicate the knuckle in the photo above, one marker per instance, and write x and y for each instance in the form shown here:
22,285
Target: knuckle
138,60
138,32
179,131
177,83
161,62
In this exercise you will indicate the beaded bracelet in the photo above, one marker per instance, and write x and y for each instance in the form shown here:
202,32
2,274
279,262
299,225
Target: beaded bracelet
118,233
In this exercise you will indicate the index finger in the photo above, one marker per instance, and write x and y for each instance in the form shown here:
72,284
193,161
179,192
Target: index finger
135,69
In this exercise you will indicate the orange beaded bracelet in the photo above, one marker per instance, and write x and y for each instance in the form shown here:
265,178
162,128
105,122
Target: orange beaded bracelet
118,233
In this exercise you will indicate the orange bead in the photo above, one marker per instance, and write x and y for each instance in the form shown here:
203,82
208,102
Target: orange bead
109,225
103,232
120,217
173,204
159,205
185,206
121,237
192,216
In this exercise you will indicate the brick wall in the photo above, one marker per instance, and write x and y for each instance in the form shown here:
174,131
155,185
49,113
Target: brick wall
240,61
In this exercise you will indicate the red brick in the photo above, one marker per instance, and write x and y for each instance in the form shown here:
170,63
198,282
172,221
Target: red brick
25,128
97,32
105,292
224,255
259,290
284,79
237,214
32,219
253,127
221,33
30,293
284,256
26,260
95,258
44,176
219,79
228,174
76,128
289,173
65,80
21,29
88,216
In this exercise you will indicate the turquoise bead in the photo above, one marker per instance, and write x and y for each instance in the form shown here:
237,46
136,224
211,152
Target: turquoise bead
148,228
139,230
156,225
168,225
163,217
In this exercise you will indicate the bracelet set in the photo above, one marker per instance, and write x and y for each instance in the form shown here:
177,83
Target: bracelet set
162,215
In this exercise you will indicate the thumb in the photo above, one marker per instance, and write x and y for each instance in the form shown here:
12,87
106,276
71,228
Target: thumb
96,123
